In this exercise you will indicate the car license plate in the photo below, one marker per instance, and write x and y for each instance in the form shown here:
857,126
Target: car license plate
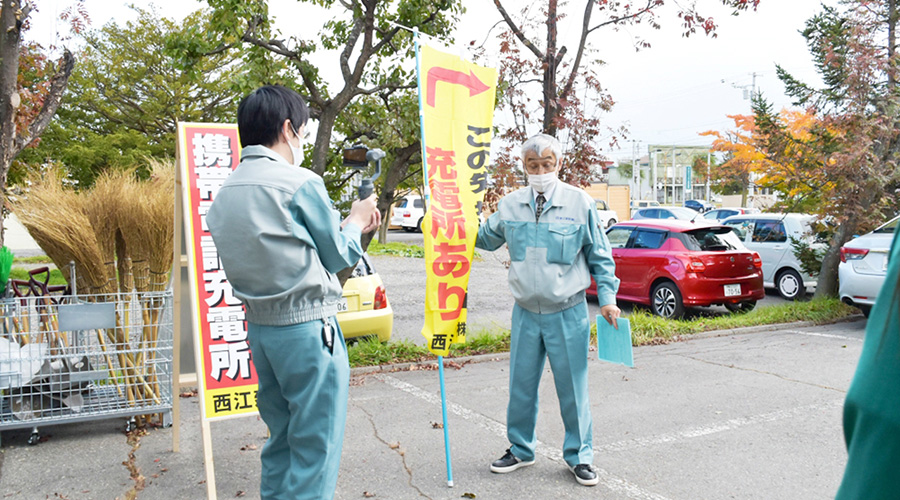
342,305
732,290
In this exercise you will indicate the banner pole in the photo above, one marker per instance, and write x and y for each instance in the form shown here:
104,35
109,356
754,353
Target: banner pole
421,118
427,200
446,431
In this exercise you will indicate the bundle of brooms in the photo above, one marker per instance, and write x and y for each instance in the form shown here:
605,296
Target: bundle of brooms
120,236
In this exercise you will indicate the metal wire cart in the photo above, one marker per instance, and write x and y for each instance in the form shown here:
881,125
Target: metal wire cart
67,358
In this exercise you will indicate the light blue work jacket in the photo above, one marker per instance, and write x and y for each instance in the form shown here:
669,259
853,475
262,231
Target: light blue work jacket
279,240
552,260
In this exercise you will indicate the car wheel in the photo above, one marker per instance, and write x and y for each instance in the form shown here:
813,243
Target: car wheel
610,223
419,224
741,307
665,301
790,285
865,310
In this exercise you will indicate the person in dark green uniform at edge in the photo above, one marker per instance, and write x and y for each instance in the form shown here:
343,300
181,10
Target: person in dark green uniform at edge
872,408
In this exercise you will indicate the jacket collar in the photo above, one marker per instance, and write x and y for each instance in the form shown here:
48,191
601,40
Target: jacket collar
257,151
556,199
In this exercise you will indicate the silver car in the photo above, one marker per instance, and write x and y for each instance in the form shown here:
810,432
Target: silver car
863,266
770,235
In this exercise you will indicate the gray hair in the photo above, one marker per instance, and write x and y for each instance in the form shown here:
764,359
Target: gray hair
540,142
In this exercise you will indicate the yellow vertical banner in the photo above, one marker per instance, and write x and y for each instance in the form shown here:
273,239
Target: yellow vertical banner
457,99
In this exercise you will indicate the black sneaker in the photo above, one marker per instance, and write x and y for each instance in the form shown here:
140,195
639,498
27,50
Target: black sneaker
508,463
585,474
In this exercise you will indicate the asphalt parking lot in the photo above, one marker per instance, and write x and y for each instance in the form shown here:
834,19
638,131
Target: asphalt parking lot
734,415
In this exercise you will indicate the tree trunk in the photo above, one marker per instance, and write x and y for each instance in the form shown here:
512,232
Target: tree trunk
893,18
827,282
10,38
550,105
745,188
323,140
393,176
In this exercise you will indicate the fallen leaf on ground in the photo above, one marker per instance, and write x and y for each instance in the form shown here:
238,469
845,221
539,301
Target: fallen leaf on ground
436,425
248,447
366,494
394,446
240,493
468,495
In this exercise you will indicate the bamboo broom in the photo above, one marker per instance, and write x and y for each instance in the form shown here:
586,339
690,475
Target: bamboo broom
156,207
100,206
162,223
56,219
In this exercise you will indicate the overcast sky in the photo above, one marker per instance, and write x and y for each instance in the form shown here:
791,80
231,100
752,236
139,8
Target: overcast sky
666,94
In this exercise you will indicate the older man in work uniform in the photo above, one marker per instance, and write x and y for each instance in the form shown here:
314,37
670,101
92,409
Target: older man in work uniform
555,246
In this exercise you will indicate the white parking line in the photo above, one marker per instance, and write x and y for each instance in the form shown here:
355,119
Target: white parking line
728,425
826,335
607,479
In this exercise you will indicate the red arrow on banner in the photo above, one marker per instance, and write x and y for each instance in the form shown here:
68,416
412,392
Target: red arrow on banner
437,74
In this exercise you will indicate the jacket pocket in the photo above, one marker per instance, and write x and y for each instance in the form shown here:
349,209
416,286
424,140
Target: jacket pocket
564,243
516,239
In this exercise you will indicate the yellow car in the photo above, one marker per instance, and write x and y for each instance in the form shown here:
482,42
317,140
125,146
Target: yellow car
364,310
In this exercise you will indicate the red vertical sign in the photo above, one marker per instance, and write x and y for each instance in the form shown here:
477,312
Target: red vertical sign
208,153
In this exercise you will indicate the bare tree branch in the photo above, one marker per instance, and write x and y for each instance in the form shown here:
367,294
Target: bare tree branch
278,47
518,31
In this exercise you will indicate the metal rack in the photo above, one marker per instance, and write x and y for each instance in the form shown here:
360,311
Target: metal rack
67,359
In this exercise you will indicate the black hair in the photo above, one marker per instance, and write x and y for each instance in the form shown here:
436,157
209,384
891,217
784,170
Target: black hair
263,111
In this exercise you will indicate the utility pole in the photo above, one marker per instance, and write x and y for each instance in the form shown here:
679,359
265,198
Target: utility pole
708,172
635,169
752,188
655,162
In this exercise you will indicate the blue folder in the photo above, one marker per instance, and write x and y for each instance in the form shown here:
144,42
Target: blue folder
615,345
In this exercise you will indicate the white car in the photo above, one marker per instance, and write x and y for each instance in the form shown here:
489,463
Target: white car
408,213
607,217
770,235
639,204
863,266
720,214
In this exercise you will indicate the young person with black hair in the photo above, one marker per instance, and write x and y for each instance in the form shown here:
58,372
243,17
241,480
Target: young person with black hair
281,243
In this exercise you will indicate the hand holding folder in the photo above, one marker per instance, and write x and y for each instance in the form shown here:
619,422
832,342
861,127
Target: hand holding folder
614,345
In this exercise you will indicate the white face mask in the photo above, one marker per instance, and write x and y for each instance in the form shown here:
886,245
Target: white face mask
543,182
296,151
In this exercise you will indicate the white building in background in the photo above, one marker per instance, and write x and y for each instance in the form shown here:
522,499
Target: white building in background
17,239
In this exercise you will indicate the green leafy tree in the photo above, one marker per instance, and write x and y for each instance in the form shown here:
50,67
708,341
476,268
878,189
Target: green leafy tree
126,97
369,50
389,121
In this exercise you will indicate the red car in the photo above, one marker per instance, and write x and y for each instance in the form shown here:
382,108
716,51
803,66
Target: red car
672,264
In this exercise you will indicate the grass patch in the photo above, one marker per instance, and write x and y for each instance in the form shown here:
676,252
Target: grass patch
37,259
645,329
56,277
371,352
395,249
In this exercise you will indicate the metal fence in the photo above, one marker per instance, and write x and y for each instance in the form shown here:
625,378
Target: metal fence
71,359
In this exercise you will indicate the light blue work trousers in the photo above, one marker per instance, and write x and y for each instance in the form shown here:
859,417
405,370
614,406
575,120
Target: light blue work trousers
302,398
563,337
